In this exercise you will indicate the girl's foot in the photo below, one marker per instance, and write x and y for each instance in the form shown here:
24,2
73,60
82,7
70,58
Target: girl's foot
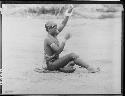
67,69
92,70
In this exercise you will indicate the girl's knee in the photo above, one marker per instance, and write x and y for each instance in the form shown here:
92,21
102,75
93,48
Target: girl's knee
73,55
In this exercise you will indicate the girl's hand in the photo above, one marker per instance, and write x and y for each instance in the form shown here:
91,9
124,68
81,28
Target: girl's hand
67,36
70,8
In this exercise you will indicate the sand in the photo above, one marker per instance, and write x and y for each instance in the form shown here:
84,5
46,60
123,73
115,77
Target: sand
97,41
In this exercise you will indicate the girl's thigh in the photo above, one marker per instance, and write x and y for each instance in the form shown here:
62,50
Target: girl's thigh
61,62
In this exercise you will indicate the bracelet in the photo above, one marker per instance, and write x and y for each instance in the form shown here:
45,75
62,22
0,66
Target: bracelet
68,14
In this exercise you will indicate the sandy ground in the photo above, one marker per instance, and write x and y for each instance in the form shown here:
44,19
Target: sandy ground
96,41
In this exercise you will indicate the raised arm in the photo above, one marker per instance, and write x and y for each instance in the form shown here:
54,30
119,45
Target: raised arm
64,22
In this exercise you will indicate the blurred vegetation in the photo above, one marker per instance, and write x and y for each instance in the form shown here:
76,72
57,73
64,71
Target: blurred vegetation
59,9
110,8
42,10
54,10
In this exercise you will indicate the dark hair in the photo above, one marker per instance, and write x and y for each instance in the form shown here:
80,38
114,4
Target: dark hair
49,24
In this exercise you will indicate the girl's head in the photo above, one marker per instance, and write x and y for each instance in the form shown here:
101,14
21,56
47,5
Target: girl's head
51,28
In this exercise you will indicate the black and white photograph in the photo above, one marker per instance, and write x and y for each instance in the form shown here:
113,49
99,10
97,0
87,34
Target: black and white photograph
0,49
61,48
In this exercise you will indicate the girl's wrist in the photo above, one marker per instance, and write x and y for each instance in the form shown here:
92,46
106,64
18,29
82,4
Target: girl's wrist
67,13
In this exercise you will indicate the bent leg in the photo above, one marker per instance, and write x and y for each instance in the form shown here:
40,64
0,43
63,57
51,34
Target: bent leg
61,62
